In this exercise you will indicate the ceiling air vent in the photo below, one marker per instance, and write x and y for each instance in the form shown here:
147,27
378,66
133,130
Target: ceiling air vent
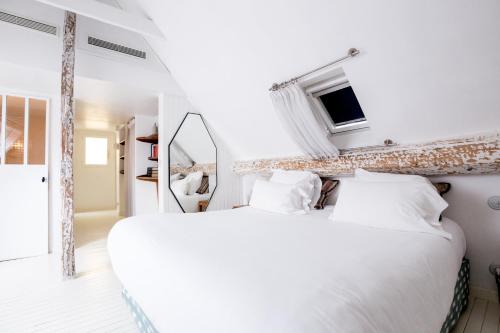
27,23
116,47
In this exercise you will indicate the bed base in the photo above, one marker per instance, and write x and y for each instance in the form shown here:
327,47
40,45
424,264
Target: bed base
458,305
140,318
460,297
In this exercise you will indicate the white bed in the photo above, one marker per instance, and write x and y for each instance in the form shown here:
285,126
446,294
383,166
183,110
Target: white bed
246,270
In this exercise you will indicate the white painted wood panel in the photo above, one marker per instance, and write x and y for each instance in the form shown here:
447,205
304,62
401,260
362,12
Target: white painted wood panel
24,211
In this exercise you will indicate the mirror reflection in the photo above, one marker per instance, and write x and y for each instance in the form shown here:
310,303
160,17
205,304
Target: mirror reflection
192,164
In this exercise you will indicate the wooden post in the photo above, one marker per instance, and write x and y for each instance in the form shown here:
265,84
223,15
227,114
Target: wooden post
67,129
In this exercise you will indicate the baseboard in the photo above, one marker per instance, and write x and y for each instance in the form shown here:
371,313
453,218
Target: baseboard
487,294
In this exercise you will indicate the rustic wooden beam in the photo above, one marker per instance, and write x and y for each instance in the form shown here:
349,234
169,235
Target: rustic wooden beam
67,128
474,155
207,168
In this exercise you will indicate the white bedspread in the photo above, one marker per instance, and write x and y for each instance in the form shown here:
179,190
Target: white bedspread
245,270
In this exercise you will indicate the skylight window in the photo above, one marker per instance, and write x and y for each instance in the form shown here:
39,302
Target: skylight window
337,104
96,151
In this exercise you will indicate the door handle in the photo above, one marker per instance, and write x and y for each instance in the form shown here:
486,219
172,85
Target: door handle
44,179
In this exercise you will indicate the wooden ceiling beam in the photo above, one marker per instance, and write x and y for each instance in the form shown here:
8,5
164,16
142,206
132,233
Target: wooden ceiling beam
475,155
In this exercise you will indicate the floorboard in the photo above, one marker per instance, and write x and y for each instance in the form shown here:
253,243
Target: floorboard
491,319
34,298
482,316
462,322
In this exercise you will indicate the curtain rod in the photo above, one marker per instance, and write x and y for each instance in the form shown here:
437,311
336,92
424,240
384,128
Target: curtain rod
352,52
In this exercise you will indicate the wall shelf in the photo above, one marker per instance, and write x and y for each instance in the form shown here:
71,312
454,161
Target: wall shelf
148,178
153,138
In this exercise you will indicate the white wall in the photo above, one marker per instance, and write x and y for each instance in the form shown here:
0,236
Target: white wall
427,69
144,193
95,185
481,224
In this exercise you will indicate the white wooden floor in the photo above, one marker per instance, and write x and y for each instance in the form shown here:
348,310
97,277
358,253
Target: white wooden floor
481,316
33,297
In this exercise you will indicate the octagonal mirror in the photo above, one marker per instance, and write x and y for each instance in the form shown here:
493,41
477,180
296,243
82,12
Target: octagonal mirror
192,162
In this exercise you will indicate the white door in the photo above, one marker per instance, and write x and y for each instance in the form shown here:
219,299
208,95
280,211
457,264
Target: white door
23,177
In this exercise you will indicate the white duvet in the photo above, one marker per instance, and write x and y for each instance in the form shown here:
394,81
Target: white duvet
245,270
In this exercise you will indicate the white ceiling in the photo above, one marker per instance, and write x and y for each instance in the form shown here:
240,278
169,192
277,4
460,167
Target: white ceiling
105,104
427,69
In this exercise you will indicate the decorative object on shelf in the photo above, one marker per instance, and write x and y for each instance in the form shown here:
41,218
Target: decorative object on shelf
154,152
151,172
192,163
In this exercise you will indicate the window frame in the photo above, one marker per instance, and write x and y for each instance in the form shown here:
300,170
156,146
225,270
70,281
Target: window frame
315,91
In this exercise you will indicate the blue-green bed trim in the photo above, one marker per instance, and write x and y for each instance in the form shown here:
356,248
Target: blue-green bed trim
140,318
460,297
459,304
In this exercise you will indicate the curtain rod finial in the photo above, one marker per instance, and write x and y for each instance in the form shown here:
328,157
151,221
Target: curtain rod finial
352,52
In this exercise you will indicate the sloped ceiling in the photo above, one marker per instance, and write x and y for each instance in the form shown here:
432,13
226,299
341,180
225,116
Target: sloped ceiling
428,69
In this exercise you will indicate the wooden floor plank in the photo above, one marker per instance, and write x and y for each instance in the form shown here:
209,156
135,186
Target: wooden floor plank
462,322
43,303
491,319
476,318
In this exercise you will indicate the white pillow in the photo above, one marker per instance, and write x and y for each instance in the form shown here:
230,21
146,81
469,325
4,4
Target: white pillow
193,182
175,177
362,174
406,206
278,198
179,187
307,181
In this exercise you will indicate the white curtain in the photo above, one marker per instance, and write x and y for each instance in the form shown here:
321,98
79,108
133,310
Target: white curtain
296,113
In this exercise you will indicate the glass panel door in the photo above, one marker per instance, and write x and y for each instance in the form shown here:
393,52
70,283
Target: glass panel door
36,131
14,130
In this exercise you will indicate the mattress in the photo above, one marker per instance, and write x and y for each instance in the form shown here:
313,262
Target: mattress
246,270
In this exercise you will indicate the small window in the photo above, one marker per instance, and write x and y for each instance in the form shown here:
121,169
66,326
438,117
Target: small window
96,151
337,104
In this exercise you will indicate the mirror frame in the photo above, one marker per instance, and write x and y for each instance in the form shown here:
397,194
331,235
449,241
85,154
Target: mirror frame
216,157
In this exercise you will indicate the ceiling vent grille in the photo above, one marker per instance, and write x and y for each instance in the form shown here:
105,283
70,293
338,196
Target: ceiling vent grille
116,47
27,23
